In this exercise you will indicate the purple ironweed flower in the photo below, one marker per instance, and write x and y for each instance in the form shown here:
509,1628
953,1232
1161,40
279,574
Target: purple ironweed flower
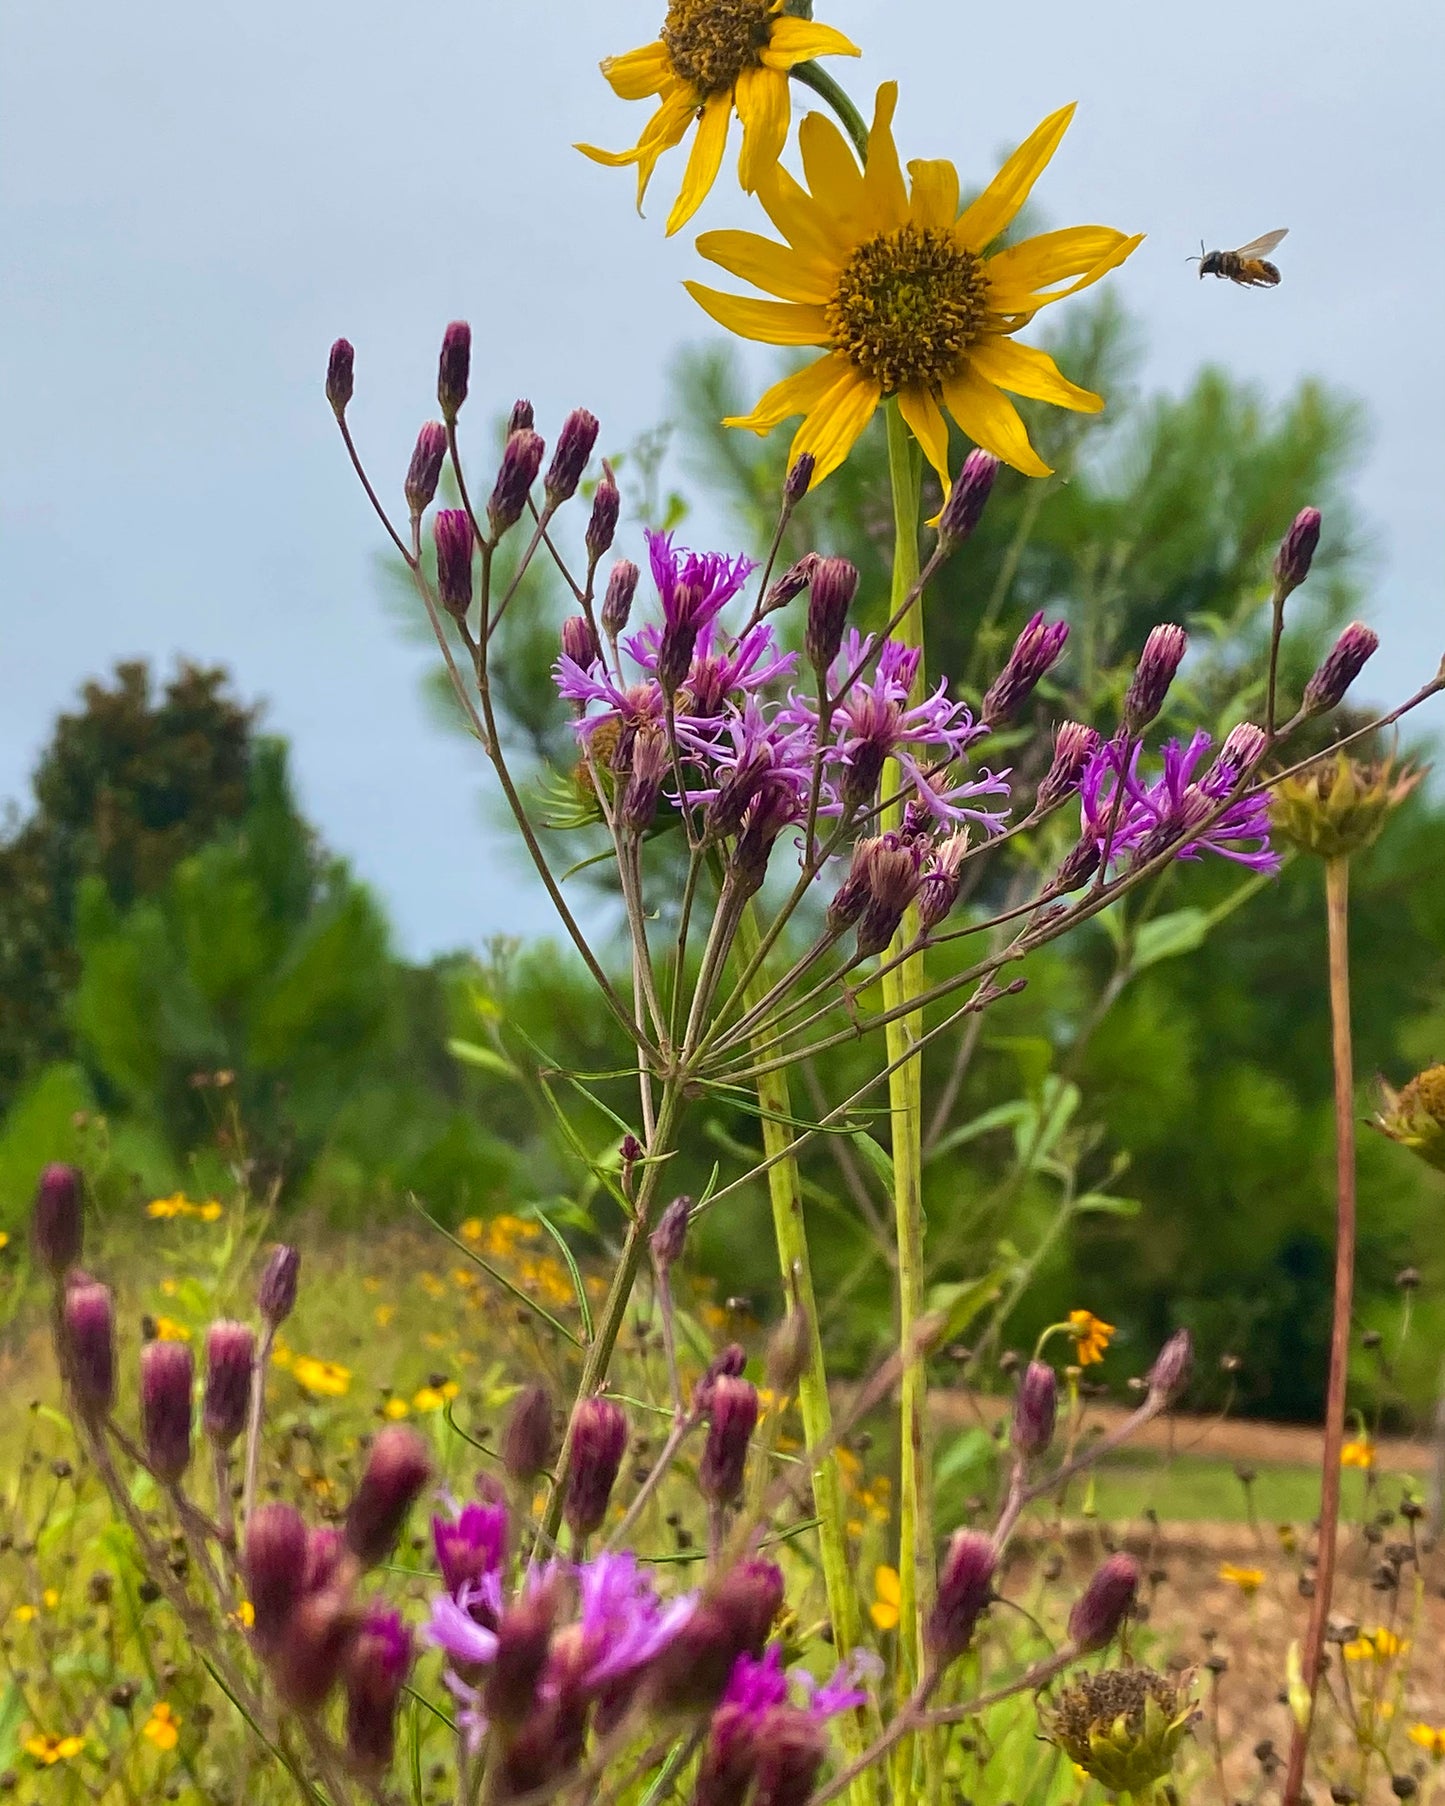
710,580
669,1238
1297,550
524,1638
1146,818
57,1228
799,479
728,1363
778,803
651,763
579,642
833,585
617,601
733,1416
276,1295
569,456
230,1363
470,1544
454,368
1341,665
1035,1408
167,1377
602,523
452,531
1105,1603
967,499
713,677
894,873
851,897
1035,651
749,755
377,1665
425,470
397,1468
1243,747
942,879
455,1629
1074,746
88,1348
758,1737
340,376
274,1563
1163,652
529,1440
731,1618
311,1652
965,1587
522,418
521,460
599,1440
1076,868
1172,1367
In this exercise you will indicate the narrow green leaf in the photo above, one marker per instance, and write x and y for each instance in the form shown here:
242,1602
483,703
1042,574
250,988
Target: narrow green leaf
878,1158
583,1306
1001,1116
471,1053
491,1272
1166,937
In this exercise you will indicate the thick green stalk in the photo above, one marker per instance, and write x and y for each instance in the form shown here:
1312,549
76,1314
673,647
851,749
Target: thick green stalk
905,1101
786,1191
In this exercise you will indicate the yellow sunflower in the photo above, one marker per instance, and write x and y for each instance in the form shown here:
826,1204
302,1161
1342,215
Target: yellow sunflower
1091,1337
903,293
711,57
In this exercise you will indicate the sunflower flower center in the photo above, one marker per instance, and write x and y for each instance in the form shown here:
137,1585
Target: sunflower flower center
710,42
907,305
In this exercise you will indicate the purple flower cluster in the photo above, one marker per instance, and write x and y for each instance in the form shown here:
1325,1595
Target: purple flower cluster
1137,819
759,1738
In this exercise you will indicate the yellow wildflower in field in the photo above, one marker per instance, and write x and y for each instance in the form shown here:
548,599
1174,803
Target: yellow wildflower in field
396,1409
163,1727
168,1329
383,1315
1430,1738
48,1749
1358,1454
887,1598
1091,1336
244,1615
431,1285
174,1206
210,1212
434,1398
50,1598
1248,1580
713,57
4,1239
24,1614
327,1379
905,295
1380,1645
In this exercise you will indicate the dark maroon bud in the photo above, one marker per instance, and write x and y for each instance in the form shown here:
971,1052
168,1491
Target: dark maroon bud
524,1637
1035,651
1035,1409
791,1745
617,603
1077,868
529,1442
88,1352
230,1364
606,506
167,1380
377,1664
1242,749
326,1557
650,765
793,582
799,479
967,499
311,1653
569,456
728,1363
453,369
965,1587
276,1297
1297,550
1175,1362
1105,1603
452,531
830,596
1342,664
521,419
340,376
732,1618
599,1441
631,1150
670,1236
851,897
397,1468
733,1416
790,1348
521,460
1074,746
274,1564
58,1228
729,1758
679,640
425,470
579,641
1163,652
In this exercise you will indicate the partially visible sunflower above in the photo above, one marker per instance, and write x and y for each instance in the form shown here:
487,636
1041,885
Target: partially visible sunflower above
711,58
905,294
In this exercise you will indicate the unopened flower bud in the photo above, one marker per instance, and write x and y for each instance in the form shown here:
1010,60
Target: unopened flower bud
830,595
569,456
967,499
1341,665
1076,869
941,882
524,1637
679,639
1074,746
1035,650
670,1236
521,460
58,1228
799,479
452,531
732,1618
1172,1367
630,1150
965,1587
851,897
326,1556
791,1747
1297,550
276,1296
340,376
893,880
88,1350
167,1379
529,1441
425,470
377,1664
793,582
599,1441
453,368
1243,747
274,1564
790,1348
1105,1603
727,1364
606,506
1035,1409
732,1419
617,603
397,1468
311,1653
579,641
650,765
521,419
1163,652
230,1364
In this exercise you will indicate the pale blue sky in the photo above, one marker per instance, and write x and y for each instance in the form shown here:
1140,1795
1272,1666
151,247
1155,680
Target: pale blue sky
195,200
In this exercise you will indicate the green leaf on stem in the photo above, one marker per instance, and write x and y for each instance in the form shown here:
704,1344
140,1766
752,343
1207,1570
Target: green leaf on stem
1166,937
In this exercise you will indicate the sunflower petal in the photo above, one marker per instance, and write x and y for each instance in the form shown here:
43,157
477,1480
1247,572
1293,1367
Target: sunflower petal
767,265
794,41
926,423
765,108
935,193
982,220
1025,370
992,421
885,197
830,168
811,231
795,394
704,162
1018,275
771,322
639,73
834,423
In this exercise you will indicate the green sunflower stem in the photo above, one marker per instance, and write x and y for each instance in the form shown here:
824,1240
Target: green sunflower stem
905,1099
816,77
785,1189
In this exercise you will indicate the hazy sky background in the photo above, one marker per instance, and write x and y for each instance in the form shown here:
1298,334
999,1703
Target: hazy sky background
195,200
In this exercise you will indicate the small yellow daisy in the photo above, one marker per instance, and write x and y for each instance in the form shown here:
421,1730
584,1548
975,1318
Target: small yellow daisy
1248,1580
887,1598
163,1727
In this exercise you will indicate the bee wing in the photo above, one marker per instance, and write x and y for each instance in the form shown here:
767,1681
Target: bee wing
1261,247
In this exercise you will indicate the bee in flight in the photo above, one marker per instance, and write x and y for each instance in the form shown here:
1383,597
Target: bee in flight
1247,265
